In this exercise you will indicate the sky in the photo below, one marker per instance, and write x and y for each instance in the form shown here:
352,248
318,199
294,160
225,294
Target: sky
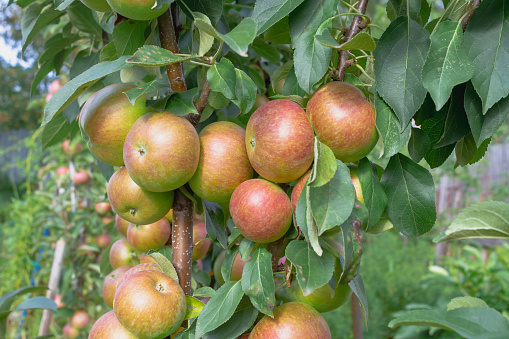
8,53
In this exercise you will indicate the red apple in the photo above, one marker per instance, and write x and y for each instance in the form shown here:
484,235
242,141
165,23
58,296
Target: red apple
201,245
343,120
81,177
80,319
261,210
103,240
141,267
97,5
138,10
223,162
150,304
111,283
292,320
102,207
135,204
58,301
105,120
122,253
297,189
237,268
69,331
149,237
121,225
108,326
279,141
161,151
323,299
62,170
71,148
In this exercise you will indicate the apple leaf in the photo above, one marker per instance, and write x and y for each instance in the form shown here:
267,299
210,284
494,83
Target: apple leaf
292,87
239,323
373,194
266,13
226,268
214,217
194,307
234,236
313,271
36,17
8,298
56,130
266,51
486,40
206,40
164,264
219,308
361,41
245,91
128,36
182,103
295,98
82,19
222,78
466,301
325,38
419,144
146,88
213,8
411,196
468,153
456,122
279,33
280,73
204,292
324,165
357,286
399,59
258,281
155,56
245,248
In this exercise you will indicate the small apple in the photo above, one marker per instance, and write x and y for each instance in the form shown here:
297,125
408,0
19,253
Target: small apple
135,204
80,319
323,299
121,225
237,268
297,189
107,326
137,10
107,219
97,5
141,267
71,148
103,240
81,177
261,210
122,253
223,162
201,245
150,304
343,120
292,320
70,332
149,237
102,207
62,170
161,151
58,301
111,283
280,141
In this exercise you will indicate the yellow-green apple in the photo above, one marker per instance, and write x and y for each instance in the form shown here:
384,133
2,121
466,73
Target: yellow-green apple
343,120
70,332
122,253
137,10
97,5
149,237
121,225
71,148
150,304
223,162
169,215
261,210
279,141
323,299
292,320
103,240
111,282
201,245
80,319
135,204
107,326
102,207
105,120
237,268
161,151
141,267
81,177
297,189
62,170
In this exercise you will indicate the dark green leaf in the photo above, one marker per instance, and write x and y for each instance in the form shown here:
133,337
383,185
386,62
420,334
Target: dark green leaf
214,222
456,123
217,100
213,8
148,87
182,103
106,170
291,87
361,41
55,44
258,281
36,17
154,56
418,10
56,130
303,18
241,36
128,36
239,323
357,286
325,38
36,303
245,91
83,62
373,194
8,298
222,78
279,33
41,74
269,52
268,12
418,145
82,18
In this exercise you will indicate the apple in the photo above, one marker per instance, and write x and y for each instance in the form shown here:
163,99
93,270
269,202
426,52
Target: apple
260,100
261,210
145,259
62,170
80,319
280,141
58,300
137,10
323,299
107,219
201,245
237,268
54,86
343,120
97,5
223,162
161,151
111,283
71,148
103,240
122,253
107,326
102,207
297,189
69,331
292,320
150,304
121,225
81,177
135,204
149,237
105,120
141,267
169,215
356,183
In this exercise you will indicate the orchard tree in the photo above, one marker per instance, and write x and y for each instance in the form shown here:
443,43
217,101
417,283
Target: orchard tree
257,118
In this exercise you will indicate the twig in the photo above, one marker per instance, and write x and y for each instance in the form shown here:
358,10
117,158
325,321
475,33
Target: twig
200,105
469,11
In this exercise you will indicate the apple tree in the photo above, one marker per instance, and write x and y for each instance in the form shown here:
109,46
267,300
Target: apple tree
288,128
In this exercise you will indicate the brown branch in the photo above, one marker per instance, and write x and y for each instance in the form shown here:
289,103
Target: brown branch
355,27
276,249
200,105
473,4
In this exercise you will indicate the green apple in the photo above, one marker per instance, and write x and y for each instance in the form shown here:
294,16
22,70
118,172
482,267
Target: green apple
107,326
149,237
323,299
122,254
137,9
111,282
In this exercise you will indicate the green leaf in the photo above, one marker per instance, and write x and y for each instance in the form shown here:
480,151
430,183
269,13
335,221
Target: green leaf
155,56
82,18
373,194
419,10
399,59
56,130
74,88
8,298
258,281
268,12
279,33
182,103
486,41
206,40
467,151
295,98
447,64
394,138
204,292
325,38
107,171
487,219
239,323
245,248
213,8
194,307
381,226
36,17
108,52
55,44
104,265
148,87
303,18
332,203
38,302
280,73
292,88
226,268
456,123
311,226
214,222
128,36
357,286
419,144
83,62
245,91
219,308
484,126
41,74
164,264
313,271
362,41
324,165
467,301
266,51
217,100
411,196
222,78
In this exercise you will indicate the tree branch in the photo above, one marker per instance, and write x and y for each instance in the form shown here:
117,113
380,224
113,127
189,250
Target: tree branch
200,105
470,10
355,27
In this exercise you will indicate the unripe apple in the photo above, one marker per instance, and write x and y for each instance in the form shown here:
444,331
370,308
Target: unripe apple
97,5
105,120
62,170
323,299
149,237
80,319
81,177
161,151
122,253
201,245
280,141
343,120
137,10
103,240
141,267
71,148
121,225
70,332
150,304
237,268
261,210
223,162
169,215
107,326
135,204
292,320
111,283
297,189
